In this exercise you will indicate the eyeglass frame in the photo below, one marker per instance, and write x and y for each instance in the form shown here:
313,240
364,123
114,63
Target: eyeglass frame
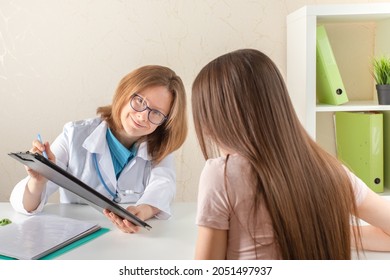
147,108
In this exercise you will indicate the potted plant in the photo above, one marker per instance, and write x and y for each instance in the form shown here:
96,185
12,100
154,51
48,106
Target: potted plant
381,72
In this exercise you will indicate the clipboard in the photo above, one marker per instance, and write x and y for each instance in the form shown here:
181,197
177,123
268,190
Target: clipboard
66,180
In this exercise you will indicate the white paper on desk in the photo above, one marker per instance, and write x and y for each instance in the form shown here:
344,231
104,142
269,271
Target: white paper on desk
39,235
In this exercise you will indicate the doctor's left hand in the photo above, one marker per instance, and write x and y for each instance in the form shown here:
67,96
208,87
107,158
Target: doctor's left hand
142,211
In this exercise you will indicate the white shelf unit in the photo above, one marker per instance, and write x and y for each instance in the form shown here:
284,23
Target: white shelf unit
356,32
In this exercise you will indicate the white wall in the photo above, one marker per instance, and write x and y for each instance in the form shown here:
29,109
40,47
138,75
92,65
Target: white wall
60,60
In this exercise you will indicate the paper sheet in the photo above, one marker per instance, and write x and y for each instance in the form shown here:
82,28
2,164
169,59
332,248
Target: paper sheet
39,235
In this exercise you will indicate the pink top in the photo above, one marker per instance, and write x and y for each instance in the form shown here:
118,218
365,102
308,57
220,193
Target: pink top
230,209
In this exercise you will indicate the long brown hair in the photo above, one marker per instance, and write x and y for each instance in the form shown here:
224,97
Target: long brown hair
240,102
169,136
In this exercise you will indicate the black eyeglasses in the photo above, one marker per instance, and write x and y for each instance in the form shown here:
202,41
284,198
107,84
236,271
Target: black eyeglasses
139,105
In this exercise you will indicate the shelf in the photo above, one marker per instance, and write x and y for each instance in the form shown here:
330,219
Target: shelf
364,105
385,193
356,32
343,12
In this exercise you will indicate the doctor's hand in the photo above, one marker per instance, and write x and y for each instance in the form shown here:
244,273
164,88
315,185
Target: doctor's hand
143,211
38,147
36,184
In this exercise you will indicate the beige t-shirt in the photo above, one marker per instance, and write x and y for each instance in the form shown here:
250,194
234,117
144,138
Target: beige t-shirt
231,209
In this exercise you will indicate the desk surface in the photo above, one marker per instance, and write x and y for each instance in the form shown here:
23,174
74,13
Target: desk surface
172,239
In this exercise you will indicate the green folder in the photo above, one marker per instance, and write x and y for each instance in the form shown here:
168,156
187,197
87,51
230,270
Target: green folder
386,148
359,144
329,84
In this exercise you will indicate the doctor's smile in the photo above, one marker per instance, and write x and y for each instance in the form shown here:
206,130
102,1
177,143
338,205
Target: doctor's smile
136,124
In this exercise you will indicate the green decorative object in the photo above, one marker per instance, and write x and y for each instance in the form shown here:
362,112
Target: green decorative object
4,222
381,69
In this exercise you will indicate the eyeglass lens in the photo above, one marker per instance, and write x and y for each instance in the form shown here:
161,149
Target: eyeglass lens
139,105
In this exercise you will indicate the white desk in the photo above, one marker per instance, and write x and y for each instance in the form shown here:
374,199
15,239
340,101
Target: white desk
172,239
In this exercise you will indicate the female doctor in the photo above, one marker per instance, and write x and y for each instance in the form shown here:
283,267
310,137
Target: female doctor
125,153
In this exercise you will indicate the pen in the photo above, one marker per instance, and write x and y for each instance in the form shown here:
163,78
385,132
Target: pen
40,140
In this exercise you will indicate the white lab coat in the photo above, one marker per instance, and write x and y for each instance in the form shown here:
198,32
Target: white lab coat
74,148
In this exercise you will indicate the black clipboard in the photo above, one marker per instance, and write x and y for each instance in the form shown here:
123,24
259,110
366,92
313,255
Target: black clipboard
66,180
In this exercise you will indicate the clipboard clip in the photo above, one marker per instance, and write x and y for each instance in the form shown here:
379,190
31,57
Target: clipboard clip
20,156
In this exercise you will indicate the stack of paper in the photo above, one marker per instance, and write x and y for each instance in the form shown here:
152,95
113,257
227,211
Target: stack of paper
39,235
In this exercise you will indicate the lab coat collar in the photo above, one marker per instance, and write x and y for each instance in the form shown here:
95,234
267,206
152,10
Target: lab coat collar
96,142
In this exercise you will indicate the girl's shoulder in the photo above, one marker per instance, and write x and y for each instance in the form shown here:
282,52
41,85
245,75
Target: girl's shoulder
233,161
234,166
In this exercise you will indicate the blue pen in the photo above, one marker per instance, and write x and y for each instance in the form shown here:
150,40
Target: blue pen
40,140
